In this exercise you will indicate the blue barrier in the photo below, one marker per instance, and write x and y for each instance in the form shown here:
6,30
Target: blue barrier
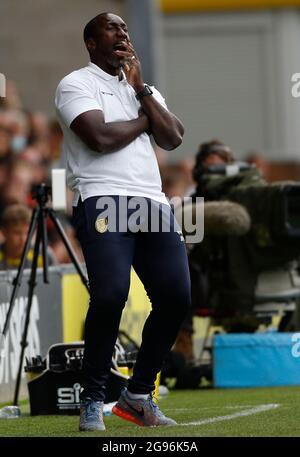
256,360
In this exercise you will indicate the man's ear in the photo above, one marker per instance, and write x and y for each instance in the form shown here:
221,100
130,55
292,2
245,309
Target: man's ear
90,44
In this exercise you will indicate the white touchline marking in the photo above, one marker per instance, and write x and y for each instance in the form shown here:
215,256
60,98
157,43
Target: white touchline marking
209,407
247,412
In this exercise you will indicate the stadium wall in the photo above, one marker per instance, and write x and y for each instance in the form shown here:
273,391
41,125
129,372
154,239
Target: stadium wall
227,74
41,42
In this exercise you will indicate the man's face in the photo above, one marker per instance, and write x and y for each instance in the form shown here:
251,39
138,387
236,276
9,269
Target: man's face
111,35
213,159
15,238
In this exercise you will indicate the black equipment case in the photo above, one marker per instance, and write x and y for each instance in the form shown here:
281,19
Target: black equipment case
54,383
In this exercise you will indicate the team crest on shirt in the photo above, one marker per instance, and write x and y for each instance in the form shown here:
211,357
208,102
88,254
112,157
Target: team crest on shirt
101,224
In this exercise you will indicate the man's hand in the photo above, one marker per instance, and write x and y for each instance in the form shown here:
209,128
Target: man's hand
166,128
131,66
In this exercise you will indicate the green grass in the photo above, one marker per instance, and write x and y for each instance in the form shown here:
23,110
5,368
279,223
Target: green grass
184,406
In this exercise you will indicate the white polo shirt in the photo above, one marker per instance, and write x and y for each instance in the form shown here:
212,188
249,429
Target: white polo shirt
132,170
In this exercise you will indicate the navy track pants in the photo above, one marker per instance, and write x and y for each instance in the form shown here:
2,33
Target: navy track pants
160,261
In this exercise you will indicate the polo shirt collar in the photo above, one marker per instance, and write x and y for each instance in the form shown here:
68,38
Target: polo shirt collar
98,71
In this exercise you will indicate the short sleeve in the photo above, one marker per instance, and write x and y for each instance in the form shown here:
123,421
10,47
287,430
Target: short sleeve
74,97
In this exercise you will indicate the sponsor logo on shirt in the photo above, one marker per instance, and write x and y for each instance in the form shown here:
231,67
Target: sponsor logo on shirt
105,93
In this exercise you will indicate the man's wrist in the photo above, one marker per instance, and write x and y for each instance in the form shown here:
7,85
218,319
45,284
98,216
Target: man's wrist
145,122
146,91
139,88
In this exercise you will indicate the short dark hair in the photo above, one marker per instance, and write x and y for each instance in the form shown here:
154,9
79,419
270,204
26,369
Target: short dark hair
207,149
90,28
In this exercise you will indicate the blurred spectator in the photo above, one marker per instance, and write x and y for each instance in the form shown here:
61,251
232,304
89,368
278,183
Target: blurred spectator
186,167
173,181
177,179
15,224
39,167
19,130
58,246
55,143
4,169
275,170
38,126
5,136
261,163
19,183
12,99
161,157
30,146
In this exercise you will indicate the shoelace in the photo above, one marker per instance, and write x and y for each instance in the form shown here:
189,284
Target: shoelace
91,410
154,405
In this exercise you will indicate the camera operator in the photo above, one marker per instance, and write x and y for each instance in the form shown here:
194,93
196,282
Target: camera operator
250,228
251,238
207,260
211,153
222,276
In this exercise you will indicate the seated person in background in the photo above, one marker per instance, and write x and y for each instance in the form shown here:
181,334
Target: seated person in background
15,224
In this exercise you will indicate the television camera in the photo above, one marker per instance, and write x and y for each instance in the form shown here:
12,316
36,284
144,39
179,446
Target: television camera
247,267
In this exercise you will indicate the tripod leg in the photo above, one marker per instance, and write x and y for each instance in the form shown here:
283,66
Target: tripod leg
32,284
17,280
68,247
43,217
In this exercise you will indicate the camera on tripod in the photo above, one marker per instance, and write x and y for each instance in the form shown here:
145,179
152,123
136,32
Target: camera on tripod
41,193
38,229
57,191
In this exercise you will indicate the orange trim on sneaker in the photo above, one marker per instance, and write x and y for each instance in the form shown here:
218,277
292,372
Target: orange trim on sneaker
128,417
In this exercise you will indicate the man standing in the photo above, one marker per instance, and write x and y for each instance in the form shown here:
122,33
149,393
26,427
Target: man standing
107,114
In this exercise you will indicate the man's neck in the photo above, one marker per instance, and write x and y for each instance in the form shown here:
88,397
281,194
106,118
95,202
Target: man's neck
108,68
